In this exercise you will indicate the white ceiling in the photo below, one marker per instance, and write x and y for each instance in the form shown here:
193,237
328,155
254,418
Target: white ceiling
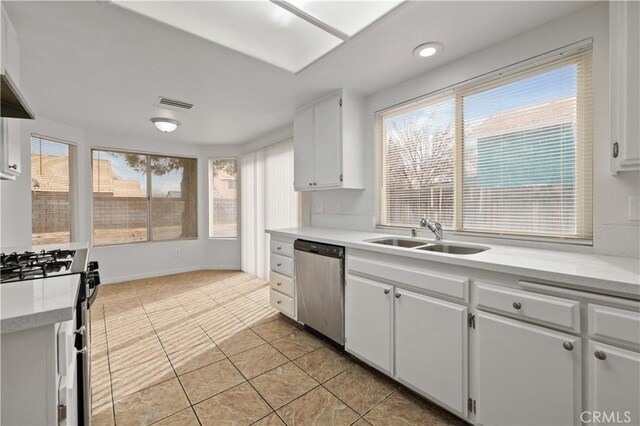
265,29
97,66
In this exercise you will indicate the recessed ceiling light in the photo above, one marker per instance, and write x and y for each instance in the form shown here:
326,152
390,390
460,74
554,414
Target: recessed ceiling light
427,49
165,124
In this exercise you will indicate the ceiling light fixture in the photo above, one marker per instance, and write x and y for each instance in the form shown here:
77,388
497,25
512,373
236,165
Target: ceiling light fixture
165,124
427,49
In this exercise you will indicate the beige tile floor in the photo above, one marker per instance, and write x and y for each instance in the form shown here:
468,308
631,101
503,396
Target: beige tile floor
206,348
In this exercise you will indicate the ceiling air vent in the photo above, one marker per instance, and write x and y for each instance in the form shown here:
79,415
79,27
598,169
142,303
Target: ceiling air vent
173,104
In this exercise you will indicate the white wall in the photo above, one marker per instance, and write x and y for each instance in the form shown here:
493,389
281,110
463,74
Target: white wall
122,262
613,232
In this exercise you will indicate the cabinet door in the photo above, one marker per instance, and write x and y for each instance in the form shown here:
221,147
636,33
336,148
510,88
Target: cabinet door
10,129
431,347
368,321
327,129
303,150
624,57
527,375
614,384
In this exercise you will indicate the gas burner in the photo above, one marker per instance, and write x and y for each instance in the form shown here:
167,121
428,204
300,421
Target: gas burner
30,264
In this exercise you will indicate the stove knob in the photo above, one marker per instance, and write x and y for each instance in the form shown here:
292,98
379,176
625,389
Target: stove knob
93,265
93,278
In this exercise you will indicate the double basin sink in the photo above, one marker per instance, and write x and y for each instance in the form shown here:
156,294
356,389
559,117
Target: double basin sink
426,246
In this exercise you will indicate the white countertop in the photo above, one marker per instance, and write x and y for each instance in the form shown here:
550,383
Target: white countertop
613,275
34,303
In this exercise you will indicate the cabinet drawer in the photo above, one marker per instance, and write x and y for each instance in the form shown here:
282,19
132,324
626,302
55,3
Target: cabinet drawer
282,265
282,303
614,324
279,247
545,309
415,277
281,283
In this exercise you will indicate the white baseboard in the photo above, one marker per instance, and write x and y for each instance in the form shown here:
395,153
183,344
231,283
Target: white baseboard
123,278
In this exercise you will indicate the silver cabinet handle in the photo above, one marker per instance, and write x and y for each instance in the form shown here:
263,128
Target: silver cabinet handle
310,184
278,284
386,291
279,302
81,330
278,248
82,351
315,183
13,166
516,305
568,346
278,264
398,295
600,355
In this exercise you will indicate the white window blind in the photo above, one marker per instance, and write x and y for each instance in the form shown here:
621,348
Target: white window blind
417,166
510,155
266,174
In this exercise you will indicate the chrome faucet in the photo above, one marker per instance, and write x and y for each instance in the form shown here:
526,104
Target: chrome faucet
433,226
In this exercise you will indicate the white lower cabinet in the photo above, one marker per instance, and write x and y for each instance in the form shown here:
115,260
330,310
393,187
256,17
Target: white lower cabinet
614,385
282,295
431,347
368,321
527,375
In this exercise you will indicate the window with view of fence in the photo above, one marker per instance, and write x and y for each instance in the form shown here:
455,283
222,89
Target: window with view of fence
142,197
51,190
223,198
511,154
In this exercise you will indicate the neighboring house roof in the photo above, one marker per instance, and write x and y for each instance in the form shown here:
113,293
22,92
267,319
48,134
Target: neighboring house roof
525,118
102,177
127,188
222,188
54,176
50,173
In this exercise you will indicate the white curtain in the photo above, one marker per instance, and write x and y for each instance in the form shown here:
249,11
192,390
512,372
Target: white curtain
268,201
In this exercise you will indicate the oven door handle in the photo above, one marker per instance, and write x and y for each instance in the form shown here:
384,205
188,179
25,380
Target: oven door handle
92,298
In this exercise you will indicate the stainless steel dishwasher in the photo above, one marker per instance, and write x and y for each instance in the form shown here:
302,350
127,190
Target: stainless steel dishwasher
320,287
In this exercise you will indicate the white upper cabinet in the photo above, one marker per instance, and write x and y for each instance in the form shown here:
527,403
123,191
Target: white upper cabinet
10,164
527,375
327,137
303,149
624,58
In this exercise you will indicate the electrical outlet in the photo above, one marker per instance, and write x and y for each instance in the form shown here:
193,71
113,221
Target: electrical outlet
178,253
320,207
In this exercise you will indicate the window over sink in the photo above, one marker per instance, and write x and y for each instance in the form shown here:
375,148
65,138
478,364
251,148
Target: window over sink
508,154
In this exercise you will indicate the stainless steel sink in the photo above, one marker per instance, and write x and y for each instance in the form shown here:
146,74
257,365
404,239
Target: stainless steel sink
452,249
399,242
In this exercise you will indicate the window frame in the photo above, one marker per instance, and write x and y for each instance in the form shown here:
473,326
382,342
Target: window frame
486,81
74,230
148,176
210,198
